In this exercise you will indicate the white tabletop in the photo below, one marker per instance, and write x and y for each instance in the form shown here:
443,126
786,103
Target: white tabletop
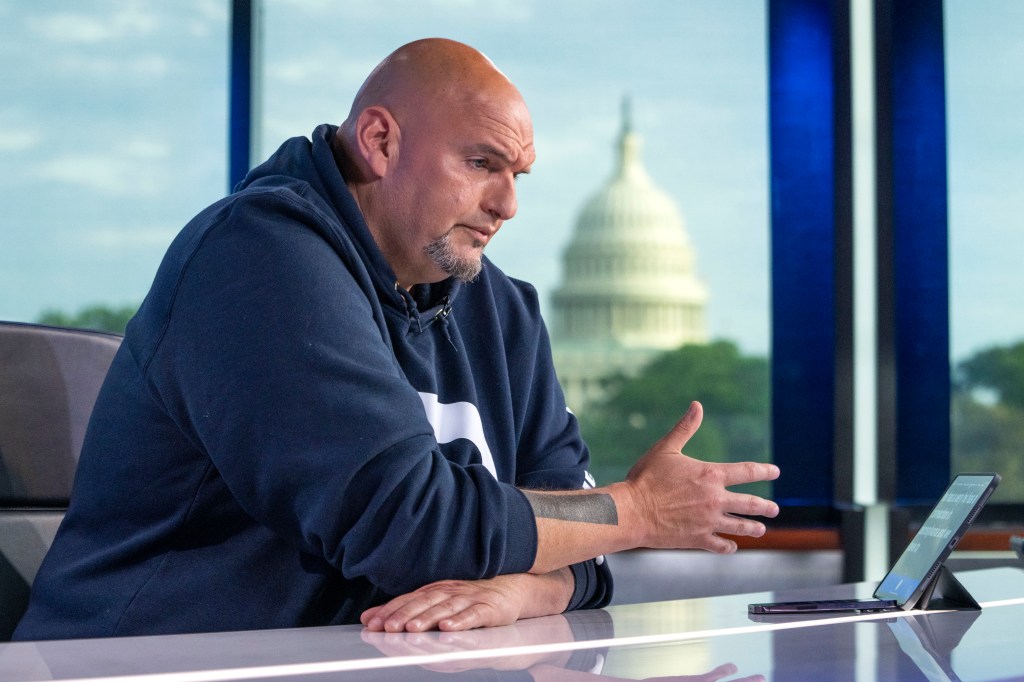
702,639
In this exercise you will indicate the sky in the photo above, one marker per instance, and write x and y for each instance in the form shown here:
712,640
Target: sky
985,138
113,134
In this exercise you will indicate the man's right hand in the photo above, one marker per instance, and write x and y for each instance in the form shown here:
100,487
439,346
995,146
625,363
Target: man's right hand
668,500
684,502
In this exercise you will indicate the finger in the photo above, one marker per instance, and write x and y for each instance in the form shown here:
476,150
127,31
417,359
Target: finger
476,616
684,429
366,617
749,505
429,618
735,473
720,545
457,614
384,610
415,616
374,617
736,525
392,616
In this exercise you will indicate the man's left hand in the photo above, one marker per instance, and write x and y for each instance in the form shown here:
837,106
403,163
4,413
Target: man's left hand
465,604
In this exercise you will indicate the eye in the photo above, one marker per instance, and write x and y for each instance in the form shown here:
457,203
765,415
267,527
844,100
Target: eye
479,164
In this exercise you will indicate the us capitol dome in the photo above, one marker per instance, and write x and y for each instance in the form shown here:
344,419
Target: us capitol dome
629,289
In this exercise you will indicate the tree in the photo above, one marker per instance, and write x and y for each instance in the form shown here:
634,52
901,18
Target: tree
734,390
999,369
988,416
98,317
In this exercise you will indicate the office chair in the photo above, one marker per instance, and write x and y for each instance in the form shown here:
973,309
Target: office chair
49,379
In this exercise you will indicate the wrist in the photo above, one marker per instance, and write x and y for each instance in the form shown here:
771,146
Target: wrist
632,522
545,594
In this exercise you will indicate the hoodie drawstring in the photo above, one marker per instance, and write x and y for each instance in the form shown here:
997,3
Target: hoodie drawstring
442,318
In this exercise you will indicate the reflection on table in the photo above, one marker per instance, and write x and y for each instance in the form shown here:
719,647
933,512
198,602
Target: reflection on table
698,639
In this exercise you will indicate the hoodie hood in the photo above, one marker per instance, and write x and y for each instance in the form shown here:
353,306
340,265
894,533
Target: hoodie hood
308,167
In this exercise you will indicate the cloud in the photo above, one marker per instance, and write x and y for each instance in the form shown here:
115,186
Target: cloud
122,239
209,16
128,171
146,148
326,65
410,10
94,172
147,66
17,140
512,10
128,20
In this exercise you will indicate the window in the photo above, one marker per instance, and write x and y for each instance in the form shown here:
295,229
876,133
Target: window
694,75
985,107
112,135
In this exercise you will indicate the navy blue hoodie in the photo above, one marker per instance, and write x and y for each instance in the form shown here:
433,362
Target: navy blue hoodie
286,438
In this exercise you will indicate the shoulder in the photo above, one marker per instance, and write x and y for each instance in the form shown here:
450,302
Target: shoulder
513,295
264,248
292,200
257,219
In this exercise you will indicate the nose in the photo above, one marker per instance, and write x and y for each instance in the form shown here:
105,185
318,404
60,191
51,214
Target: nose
500,201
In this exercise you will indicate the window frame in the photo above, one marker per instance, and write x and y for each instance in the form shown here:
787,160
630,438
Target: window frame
811,194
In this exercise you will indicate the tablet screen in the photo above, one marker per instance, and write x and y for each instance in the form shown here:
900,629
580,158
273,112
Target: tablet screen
943,528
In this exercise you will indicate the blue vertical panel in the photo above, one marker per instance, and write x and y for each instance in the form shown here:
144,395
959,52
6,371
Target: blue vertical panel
802,218
920,250
240,105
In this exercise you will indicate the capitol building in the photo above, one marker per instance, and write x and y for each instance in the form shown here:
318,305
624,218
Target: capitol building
629,289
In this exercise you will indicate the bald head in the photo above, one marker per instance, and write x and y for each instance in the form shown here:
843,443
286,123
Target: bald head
432,145
429,73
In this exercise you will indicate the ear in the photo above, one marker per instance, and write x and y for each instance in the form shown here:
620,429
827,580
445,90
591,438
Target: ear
376,140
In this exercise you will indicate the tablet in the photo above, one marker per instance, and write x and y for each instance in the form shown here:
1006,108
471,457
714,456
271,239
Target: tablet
913,574
946,524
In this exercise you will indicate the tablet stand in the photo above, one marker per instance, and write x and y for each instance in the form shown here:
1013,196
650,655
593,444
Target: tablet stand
945,593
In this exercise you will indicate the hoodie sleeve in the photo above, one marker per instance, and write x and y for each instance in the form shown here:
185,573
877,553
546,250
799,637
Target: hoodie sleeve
272,361
551,454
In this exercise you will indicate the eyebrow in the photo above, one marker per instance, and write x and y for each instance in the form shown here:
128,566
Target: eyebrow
491,150
484,148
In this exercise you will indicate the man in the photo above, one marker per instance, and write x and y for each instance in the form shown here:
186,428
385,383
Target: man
331,407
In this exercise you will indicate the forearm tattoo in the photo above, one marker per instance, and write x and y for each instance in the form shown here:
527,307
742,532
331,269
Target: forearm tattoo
584,508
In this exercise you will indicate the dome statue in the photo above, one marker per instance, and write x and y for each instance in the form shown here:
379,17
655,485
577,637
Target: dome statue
629,288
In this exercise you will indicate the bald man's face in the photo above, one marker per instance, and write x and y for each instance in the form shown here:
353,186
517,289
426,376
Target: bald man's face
453,186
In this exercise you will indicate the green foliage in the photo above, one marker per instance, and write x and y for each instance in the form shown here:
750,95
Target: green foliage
999,369
733,389
99,317
989,438
987,417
